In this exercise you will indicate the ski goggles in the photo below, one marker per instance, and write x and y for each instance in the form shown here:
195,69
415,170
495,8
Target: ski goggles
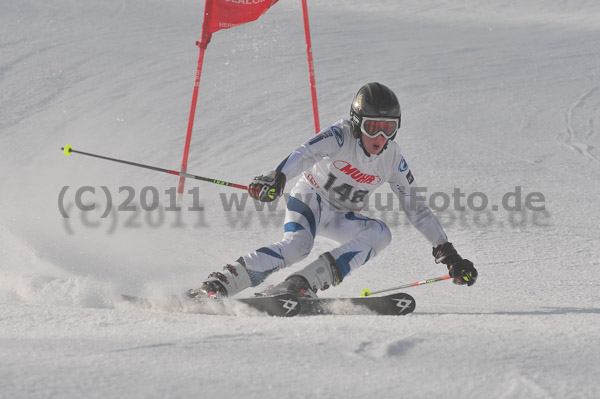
373,127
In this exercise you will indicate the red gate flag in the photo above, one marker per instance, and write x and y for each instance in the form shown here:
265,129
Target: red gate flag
218,14
225,14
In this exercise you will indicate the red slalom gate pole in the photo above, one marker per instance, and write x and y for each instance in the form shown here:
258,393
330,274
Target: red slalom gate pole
188,137
311,67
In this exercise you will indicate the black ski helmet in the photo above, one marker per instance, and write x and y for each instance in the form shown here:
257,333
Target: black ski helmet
374,100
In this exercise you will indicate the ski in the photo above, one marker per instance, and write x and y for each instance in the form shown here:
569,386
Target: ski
392,305
284,305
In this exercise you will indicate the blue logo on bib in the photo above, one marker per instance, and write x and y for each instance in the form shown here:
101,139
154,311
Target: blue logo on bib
339,135
403,165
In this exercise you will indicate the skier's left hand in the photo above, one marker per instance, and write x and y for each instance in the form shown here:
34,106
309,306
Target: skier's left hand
267,188
461,270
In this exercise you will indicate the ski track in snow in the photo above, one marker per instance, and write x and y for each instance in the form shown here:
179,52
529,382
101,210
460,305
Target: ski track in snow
583,117
484,89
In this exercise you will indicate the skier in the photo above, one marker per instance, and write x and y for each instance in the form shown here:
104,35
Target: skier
340,167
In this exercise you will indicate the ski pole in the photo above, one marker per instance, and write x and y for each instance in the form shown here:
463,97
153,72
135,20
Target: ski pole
68,150
367,292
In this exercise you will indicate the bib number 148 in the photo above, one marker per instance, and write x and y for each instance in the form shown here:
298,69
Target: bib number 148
345,191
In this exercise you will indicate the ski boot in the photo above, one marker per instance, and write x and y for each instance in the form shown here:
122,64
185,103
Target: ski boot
294,284
318,275
234,279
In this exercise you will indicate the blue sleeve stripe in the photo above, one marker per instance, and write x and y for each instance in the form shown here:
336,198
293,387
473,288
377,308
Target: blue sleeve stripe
258,277
344,262
316,139
295,205
353,216
282,164
269,252
292,226
368,256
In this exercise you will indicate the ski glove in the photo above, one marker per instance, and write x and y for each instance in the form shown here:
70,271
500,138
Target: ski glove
267,188
461,270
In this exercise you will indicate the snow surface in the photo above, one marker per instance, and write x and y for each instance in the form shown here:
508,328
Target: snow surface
495,94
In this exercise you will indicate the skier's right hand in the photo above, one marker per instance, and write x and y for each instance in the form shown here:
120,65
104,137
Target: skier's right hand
267,188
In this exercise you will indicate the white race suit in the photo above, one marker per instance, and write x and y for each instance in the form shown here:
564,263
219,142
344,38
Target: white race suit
337,179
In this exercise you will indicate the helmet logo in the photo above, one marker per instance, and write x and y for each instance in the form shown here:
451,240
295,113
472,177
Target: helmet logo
359,101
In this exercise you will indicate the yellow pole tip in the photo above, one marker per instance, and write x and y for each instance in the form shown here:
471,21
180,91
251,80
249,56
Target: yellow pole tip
68,149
